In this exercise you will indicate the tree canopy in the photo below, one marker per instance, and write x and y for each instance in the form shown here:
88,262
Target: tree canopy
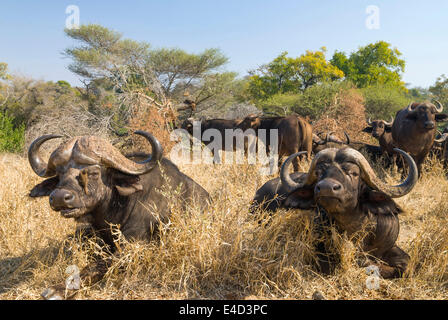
374,64
103,56
440,89
286,74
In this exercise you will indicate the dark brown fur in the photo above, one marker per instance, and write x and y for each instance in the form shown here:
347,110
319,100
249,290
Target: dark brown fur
343,198
414,131
102,196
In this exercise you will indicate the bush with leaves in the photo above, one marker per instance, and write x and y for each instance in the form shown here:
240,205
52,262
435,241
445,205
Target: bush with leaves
439,89
312,103
383,102
11,138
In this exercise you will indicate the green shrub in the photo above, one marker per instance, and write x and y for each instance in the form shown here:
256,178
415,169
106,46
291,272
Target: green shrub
312,103
281,103
382,102
318,99
11,139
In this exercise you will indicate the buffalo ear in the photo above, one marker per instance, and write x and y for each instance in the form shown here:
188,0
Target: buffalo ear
127,185
379,203
441,117
302,198
367,129
44,188
388,128
377,196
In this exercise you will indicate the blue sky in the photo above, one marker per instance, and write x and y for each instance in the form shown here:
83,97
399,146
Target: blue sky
249,32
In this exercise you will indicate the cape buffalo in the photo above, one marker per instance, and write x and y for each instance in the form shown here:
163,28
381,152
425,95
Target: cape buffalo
414,129
439,148
294,134
382,131
345,191
220,125
330,141
91,181
272,194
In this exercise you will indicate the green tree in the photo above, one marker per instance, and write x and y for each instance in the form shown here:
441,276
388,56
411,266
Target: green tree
383,101
177,68
12,138
419,93
291,75
103,54
440,90
374,64
112,65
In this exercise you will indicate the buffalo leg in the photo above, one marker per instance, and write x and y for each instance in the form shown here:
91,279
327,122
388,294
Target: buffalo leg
397,261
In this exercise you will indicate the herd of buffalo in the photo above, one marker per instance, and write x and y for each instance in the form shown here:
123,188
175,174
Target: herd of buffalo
88,179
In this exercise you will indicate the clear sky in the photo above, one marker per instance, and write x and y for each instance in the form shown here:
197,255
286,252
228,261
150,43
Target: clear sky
249,32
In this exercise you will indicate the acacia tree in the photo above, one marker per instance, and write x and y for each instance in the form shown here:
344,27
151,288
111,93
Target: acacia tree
108,63
103,54
177,68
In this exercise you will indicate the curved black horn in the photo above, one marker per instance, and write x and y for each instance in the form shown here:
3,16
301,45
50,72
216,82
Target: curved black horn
156,154
39,166
439,106
442,138
347,137
394,191
390,122
284,174
409,107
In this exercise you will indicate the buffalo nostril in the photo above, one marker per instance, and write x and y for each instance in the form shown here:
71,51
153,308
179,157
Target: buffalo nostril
68,197
337,187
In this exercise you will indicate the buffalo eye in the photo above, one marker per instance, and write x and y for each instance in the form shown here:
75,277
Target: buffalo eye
93,174
350,170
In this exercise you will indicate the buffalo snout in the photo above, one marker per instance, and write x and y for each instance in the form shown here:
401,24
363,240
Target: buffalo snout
328,188
429,124
61,199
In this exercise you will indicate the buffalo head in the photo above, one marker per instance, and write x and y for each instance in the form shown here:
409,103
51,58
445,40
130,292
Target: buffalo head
378,127
251,121
338,180
188,125
426,114
84,171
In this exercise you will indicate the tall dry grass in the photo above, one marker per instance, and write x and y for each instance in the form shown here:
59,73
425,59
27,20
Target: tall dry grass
220,254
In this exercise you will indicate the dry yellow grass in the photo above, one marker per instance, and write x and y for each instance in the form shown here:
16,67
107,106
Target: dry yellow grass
219,255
